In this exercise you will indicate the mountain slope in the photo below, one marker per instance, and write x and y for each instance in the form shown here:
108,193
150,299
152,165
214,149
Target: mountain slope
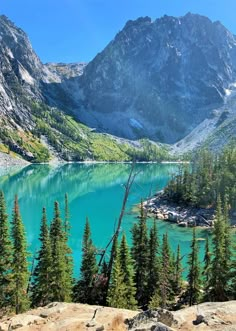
31,128
171,80
158,79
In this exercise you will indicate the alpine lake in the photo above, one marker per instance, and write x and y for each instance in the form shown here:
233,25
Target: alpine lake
95,191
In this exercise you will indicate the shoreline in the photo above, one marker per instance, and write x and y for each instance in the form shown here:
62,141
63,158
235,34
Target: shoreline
184,216
7,160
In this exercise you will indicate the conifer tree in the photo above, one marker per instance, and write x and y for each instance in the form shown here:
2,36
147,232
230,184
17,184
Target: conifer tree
178,272
20,264
153,262
42,277
140,257
61,274
6,281
126,264
117,294
220,266
166,273
84,289
206,269
194,280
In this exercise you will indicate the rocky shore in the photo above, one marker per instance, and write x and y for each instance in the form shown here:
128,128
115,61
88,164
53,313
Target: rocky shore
185,216
7,160
79,317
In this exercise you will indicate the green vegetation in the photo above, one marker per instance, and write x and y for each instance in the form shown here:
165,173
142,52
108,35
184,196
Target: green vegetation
208,178
20,271
147,276
72,140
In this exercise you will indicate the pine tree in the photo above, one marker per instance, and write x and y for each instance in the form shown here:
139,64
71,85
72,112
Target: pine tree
20,264
117,292
220,266
178,272
140,257
126,264
194,281
42,277
153,262
206,269
84,289
6,281
166,273
61,275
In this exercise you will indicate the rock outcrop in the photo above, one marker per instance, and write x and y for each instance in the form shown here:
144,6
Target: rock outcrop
168,79
79,317
159,79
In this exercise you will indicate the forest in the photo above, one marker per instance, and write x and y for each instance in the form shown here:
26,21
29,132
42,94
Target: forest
208,177
146,275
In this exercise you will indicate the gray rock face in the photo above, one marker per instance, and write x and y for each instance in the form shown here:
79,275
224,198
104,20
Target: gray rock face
159,79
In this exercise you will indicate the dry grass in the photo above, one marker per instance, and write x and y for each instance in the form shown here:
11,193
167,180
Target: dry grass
117,324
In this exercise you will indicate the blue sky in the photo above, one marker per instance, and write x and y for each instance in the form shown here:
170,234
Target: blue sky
76,30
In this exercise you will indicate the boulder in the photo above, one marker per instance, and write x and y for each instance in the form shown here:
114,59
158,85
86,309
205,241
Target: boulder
149,319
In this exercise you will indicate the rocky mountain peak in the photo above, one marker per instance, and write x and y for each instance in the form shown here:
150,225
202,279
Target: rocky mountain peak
159,79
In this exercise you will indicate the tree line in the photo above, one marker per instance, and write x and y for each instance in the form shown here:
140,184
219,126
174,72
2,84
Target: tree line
207,177
148,275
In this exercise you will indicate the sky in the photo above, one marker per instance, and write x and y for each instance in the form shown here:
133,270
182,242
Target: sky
76,30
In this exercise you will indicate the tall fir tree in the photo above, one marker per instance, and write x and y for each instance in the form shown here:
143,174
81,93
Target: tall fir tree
166,273
61,274
42,276
194,274
153,262
117,295
220,265
178,269
6,281
206,269
140,256
127,269
20,264
84,290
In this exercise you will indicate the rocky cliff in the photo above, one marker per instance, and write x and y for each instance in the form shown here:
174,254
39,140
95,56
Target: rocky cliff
171,80
159,79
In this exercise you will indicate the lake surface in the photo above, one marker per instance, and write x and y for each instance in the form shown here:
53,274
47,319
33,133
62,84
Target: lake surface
95,191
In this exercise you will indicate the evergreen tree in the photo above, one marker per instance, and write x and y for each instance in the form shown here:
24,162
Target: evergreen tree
61,274
178,272
20,264
117,292
153,262
42,277
207,269
220,266
166,273
6,281
194,281
140,257
126,264
84,289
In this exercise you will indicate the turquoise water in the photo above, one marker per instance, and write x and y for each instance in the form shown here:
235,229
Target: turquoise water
94,191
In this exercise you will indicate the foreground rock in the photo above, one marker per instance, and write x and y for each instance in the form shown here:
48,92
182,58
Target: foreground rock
79,317
184,216
207,316
69,317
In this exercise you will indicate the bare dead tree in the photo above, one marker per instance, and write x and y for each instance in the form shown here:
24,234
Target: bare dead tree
127,186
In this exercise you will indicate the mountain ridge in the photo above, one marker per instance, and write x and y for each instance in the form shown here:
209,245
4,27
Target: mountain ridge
158,79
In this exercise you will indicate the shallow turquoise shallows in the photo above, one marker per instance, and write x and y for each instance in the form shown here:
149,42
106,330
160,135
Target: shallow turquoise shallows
95,191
